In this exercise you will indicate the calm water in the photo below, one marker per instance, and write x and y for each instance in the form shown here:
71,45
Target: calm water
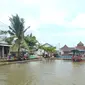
57,72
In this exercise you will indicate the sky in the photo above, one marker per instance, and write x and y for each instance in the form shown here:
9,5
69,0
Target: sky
51,21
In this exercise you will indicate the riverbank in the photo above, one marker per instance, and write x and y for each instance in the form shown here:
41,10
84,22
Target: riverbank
6,62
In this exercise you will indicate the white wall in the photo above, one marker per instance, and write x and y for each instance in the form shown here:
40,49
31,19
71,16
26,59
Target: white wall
39,52
61,52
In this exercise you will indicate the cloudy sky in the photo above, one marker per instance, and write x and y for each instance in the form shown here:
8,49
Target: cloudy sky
51,21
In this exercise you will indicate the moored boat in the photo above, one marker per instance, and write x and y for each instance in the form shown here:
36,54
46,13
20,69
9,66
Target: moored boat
77,56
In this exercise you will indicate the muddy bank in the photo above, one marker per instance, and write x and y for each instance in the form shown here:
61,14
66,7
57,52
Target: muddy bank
6,62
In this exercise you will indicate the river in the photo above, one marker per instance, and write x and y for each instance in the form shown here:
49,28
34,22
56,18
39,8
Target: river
57,72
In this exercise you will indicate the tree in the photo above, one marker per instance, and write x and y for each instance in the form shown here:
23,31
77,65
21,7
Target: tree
16,29
52,49
49,49
3,35
31,41
9,40
3,32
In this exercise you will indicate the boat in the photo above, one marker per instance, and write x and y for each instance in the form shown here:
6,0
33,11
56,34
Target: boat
78,55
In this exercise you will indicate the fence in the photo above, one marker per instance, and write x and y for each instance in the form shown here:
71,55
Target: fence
64,57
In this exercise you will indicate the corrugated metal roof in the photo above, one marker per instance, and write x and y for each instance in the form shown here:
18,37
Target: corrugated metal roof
5,45
80,46
66,48
3,42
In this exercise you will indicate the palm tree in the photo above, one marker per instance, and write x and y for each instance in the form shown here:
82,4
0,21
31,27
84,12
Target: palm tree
16,29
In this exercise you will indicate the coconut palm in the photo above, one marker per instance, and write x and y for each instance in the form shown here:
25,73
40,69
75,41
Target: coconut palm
16,29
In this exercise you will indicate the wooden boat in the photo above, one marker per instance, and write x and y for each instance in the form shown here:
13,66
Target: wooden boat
77,56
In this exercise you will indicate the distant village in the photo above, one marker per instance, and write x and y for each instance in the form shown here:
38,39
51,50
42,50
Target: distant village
65,50
4,49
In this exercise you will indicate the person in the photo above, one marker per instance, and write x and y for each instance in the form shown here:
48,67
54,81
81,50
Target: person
43,55
8,57
52,56
25,56
46,55
15,57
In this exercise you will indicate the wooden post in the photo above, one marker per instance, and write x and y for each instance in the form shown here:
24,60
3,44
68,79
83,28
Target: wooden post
3,51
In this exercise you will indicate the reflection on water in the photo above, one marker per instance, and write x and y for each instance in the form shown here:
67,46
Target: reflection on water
57,72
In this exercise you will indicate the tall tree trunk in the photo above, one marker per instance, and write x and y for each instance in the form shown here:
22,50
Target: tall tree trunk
19,52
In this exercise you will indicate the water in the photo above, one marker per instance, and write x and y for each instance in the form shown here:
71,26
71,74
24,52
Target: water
56,72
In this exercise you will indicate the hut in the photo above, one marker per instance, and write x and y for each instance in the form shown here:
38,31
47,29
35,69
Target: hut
4,49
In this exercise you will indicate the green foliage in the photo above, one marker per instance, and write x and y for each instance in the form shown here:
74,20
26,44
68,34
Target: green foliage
9,40
50,49
39,46
3,32
3,35
16,29
30,40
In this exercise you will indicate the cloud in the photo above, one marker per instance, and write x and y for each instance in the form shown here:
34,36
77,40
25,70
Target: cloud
4,21
52,17
79,21
58,18
5,17
50,14
34,26
30,2
66,19
34,23
76,33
